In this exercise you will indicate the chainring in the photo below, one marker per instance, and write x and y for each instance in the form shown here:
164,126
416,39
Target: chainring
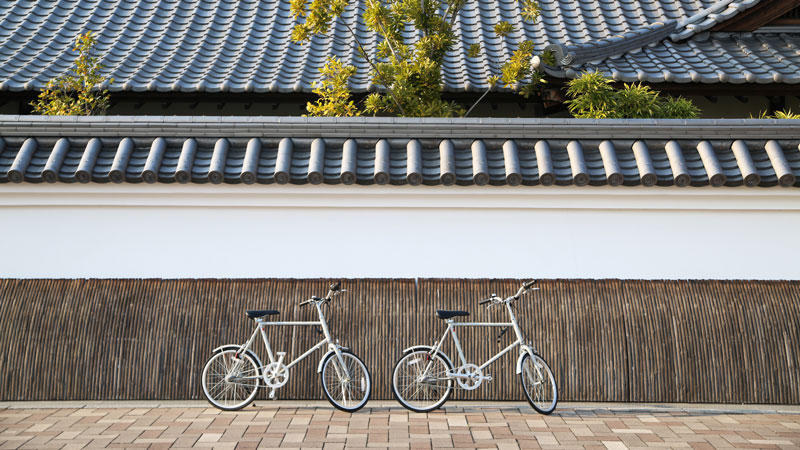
475,377
276,375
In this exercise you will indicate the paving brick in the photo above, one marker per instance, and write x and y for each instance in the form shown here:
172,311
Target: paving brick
459,427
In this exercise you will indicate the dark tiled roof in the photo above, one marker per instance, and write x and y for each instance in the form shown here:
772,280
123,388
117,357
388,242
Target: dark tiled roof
244,45
399,151
706,58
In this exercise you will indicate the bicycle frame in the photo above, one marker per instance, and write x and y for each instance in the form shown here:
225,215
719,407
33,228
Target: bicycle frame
261,325
451,330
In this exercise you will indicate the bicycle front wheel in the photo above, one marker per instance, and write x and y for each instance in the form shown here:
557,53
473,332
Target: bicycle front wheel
420,382
230,383
538,384
346,386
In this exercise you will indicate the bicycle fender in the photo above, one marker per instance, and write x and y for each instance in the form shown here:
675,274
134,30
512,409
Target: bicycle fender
322,360
429,349
237,347
522,352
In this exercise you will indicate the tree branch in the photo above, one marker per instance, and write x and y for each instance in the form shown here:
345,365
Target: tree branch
477,101
375,68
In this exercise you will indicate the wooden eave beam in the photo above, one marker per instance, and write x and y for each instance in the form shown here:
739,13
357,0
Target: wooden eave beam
757,16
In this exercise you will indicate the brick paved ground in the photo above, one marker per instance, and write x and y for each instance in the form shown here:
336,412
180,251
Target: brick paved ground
384,424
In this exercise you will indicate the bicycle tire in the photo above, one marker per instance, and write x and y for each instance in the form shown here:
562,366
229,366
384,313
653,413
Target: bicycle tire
211,390
408,358
544,377
366,387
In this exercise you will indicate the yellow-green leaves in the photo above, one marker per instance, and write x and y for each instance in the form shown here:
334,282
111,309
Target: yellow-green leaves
77,93
518,67
334,93
594,97
530,10
407,70
548,57
502,29
785,114
315,18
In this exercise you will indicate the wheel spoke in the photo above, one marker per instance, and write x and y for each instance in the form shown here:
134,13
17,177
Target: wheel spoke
538,383
417,391
339,380
229,383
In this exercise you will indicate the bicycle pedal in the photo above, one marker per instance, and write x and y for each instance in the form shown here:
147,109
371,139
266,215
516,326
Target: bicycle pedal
272,394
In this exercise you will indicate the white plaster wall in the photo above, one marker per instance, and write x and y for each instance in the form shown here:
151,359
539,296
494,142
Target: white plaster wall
162,231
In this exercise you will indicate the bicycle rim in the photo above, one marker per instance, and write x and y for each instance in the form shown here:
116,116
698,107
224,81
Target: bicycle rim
539,384
228,383
420,383
348,387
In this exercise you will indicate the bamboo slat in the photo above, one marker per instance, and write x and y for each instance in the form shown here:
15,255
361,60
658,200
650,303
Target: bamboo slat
606,340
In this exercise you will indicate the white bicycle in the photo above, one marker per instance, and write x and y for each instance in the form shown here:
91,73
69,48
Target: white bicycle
423,377
234,373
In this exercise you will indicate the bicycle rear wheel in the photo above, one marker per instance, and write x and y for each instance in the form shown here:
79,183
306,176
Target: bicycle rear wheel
230,383
539,384
420,382
346,387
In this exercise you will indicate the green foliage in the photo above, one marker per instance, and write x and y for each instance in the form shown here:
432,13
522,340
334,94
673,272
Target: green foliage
548,57
409,73
785,114
334,96
502,29
530,10
593,97
518,67
77,93
474,50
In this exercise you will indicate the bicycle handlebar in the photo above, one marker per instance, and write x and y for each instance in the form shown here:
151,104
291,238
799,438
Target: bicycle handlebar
528,285
333,291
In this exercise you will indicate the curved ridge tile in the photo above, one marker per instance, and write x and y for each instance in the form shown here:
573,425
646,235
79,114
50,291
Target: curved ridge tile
250,164
644,163
216,168
316,162
447,162
677,163
382,166
744,160
513,171
183,171
544,163
577,163
55,160
349,161
154,158
711,164
414,165
88,160
16,174
779,163
120,165
283,162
